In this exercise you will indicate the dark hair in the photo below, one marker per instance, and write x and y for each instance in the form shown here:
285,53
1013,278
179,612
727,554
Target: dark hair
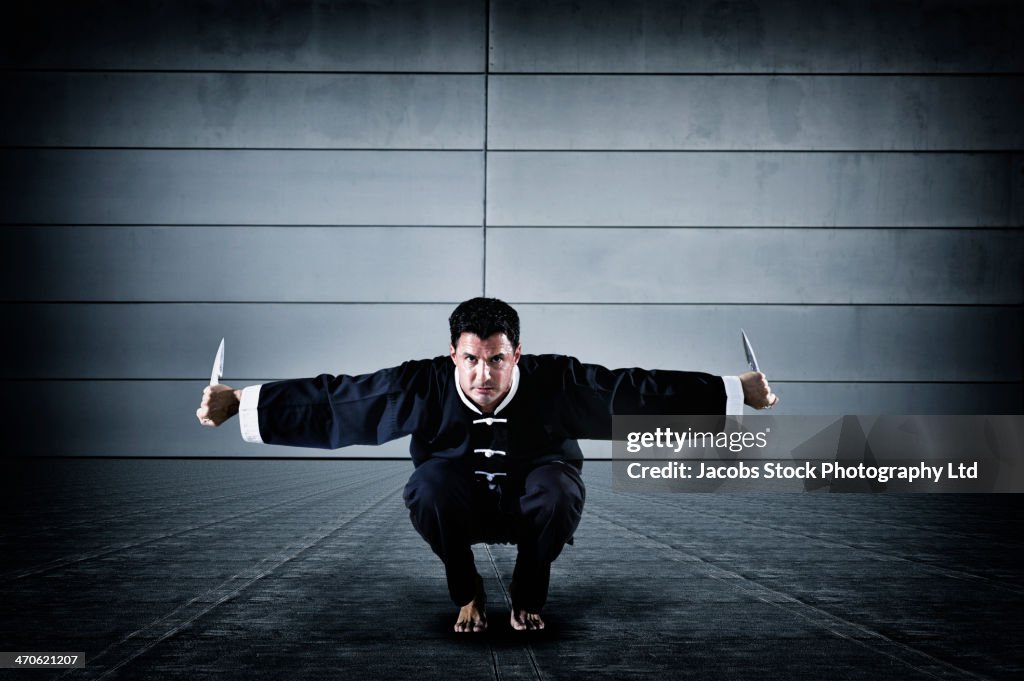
485,317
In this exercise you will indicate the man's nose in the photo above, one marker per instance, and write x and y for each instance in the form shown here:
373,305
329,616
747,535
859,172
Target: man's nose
485,372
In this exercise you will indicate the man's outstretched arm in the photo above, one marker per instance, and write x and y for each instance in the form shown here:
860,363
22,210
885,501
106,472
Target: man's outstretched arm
325,411
597,393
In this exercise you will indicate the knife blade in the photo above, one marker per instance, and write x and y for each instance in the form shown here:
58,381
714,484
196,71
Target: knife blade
218,365
747,348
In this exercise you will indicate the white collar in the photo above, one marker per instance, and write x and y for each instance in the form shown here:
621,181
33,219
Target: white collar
508,398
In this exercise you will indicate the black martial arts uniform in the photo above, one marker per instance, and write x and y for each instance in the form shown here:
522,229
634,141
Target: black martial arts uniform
508,476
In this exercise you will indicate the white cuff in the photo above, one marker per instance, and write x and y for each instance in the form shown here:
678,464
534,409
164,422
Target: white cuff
248,416
733,395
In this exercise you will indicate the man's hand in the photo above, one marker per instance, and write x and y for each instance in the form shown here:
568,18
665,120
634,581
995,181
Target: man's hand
220,402
756,391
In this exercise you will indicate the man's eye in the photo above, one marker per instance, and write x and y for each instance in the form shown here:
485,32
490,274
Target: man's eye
496,360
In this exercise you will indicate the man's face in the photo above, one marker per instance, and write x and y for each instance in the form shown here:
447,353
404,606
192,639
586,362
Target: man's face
485,368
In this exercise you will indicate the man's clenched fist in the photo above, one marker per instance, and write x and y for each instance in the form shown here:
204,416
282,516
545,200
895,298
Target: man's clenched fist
220,402
756,391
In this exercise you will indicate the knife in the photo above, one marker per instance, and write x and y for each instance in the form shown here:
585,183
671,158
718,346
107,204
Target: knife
751,357
218,365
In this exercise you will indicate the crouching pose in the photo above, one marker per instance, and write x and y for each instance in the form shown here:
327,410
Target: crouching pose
493,441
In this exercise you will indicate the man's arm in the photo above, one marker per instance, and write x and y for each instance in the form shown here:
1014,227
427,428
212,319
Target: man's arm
595,393
326,411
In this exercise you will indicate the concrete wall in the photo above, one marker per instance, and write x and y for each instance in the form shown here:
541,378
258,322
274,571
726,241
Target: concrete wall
322,182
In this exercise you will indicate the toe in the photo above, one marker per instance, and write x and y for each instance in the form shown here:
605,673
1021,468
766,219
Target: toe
527,621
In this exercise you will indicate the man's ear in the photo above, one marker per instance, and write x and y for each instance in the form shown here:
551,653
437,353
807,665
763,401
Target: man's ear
517,353
451,353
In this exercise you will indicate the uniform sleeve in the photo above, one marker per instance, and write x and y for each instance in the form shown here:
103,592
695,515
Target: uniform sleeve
336,411
733,395
593,394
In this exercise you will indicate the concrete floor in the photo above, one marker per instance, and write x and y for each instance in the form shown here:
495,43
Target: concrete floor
191,569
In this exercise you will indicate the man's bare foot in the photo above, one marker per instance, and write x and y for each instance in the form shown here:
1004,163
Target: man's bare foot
472,617
526,621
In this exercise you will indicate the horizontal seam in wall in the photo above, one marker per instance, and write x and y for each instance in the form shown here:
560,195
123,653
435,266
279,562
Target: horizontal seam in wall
463,150
769,304
772,74
228,302
217,458
133,225
837,150
838,381
75,225
971,306
774,380
127,225
492,72
379,150
289,72
949,228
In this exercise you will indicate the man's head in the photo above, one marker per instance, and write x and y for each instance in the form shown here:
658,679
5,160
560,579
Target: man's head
485,347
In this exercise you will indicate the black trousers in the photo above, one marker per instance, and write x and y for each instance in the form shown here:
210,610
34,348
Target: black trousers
453,509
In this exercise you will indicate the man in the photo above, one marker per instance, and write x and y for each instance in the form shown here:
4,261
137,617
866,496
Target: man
493,439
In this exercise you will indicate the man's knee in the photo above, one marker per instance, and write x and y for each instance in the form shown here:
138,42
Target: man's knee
554,490
437,485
